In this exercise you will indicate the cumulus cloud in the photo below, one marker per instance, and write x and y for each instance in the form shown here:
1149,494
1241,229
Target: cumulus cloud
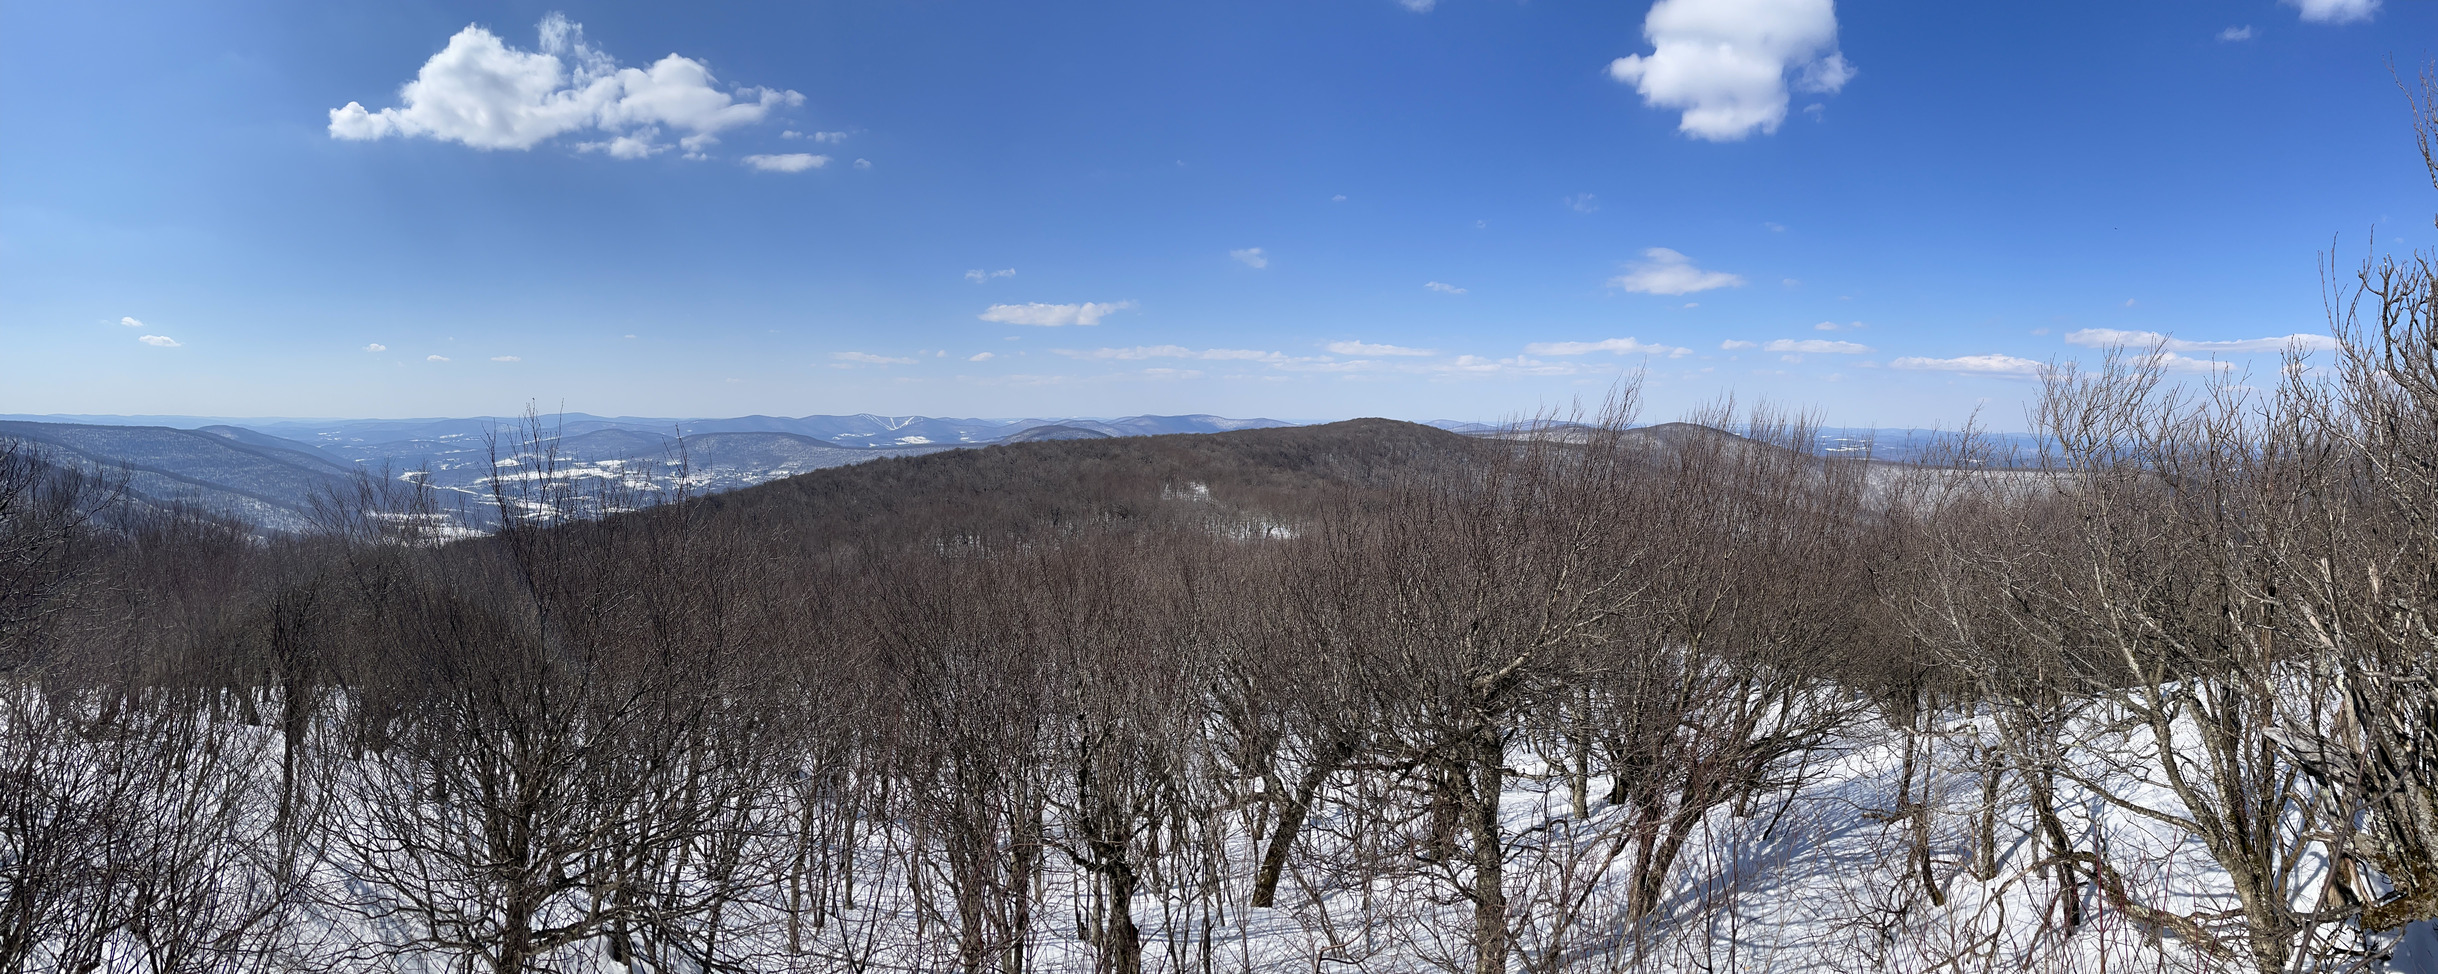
2243,33
1992,364
1250,257
1369,349
1726,63
848,360
1443,288
1816,346
787,162
2112,337
376,347
1613,346
435,358
1053,315
1665,271
981,356
159,341
131,323
2334,11
480,92
978,275
863,163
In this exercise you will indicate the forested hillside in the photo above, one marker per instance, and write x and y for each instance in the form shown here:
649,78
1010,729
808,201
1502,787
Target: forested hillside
1369,694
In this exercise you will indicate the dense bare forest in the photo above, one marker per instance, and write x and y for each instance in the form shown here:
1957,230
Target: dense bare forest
1366,696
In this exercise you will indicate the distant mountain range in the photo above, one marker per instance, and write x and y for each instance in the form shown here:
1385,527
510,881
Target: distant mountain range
269,471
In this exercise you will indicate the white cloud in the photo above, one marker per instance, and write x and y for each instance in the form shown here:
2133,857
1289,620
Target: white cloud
1339,198
863,163
506,358
981,356
2243,33
790,162
978,275
1250,257
1815,346
825,138
1053,315
2186,363
2334,11
2110,337
1582,202
1993,364
1669,272
131,323
1133,354
1613,346
1734,345
376,347
435,358
1725,63
1418,6
1140,352
1443,288
159,341
848,360
1368,349
480,92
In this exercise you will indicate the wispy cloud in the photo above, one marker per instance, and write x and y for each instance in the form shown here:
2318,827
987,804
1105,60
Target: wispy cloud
506,358
1250,257
1443,288
2243,33
787,162
1582,202
981,356
978,275
1140,352
1368,349
1054,315
1665,271
848,360
159,341
435,358
1992,364
1733,345
1613,346
1816,346
2112,337
376,347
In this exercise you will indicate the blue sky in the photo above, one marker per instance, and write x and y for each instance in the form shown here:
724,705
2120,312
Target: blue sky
1302,209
